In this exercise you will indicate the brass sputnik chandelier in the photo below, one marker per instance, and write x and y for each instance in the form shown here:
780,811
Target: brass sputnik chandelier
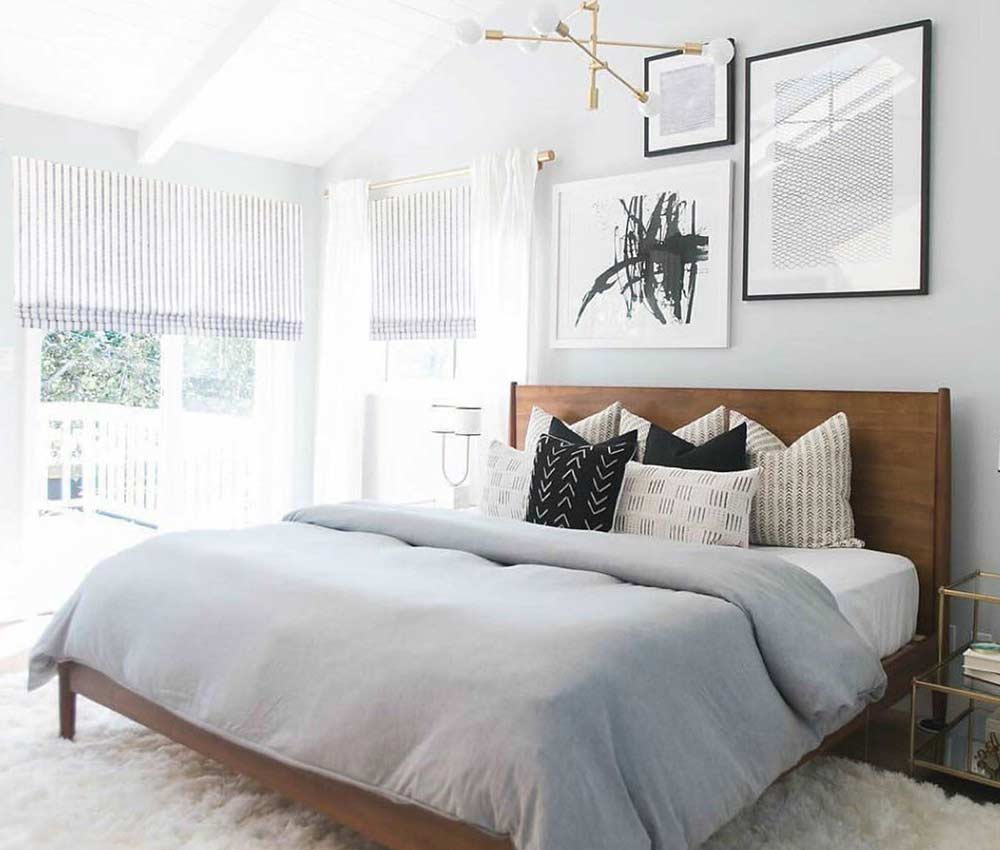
550,28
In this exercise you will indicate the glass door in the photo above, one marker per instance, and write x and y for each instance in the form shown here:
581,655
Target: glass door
130,434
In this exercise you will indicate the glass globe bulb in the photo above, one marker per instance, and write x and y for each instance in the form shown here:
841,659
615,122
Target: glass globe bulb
528,46
468,31
545,19
719,50
651,107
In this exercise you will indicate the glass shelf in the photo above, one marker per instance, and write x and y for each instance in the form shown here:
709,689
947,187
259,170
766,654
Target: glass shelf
979,585
962,704
954,750
948,677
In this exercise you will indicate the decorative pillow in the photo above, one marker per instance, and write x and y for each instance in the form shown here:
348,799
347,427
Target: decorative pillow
596,428
505,490
578,486
698,433
804,499
558,428
687,505
725,453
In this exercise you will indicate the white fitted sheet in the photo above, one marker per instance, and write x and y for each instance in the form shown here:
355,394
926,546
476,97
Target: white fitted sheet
878,593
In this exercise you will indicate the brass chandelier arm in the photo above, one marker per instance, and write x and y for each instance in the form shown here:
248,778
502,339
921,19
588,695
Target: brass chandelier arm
604,66
550,29
691,48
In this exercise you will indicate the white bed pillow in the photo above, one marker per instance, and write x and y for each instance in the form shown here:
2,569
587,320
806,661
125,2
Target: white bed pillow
687,505
596,428
508,476
804,498
699,432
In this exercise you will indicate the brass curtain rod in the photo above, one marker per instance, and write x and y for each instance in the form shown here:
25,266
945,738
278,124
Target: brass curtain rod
541,157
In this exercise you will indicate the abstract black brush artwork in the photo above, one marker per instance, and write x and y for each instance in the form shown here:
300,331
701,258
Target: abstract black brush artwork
643,260
655,261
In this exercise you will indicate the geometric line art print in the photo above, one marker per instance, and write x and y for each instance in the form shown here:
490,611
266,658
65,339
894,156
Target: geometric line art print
833,194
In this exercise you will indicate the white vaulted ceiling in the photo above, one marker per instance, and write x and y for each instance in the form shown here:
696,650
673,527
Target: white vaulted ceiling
289,79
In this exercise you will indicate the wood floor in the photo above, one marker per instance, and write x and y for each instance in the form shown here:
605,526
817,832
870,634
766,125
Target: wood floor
888,738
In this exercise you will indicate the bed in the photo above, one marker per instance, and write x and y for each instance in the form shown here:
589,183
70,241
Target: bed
877,592
489,773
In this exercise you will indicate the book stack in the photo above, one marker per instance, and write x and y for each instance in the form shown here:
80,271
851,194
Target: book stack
982,661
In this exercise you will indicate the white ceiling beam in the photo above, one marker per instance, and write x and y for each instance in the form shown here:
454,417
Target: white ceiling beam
166,124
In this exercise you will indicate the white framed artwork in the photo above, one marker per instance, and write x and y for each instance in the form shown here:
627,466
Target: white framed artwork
643,260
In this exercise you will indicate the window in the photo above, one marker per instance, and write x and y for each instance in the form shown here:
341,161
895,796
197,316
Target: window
218,375
421,266
121,413
148,418
422,303
105,367
420,359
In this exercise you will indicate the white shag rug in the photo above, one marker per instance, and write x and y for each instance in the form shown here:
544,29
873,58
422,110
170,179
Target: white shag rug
120,786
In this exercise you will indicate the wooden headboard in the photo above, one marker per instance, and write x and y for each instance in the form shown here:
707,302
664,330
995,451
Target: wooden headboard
900,443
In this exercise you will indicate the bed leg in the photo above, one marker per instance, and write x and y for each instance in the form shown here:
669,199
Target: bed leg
67,705
939,708
868,734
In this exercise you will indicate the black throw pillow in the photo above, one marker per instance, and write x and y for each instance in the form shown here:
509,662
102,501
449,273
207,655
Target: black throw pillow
576,486
558,428
725,453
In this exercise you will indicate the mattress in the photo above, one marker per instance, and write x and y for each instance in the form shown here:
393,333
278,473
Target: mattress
877,592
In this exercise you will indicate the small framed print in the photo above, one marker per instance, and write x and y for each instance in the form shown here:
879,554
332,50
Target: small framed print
837,167
697,103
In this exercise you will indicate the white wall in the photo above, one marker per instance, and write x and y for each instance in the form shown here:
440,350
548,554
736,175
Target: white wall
27,133
492,97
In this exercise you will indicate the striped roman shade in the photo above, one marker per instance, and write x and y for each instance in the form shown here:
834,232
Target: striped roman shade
98,250
421,275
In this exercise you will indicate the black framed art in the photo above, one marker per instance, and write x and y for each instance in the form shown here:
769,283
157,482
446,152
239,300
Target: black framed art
697,103
837,167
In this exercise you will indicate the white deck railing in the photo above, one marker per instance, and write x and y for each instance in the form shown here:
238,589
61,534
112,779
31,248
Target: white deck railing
184,470
101,457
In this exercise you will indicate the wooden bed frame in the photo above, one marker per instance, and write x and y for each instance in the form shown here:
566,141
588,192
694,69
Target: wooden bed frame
901,447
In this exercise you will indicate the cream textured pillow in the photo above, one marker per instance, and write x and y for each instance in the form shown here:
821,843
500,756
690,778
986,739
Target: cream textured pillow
804,498
699,432
687,505
597,428
505,490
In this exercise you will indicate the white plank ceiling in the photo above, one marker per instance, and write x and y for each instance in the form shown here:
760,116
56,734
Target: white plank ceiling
288,79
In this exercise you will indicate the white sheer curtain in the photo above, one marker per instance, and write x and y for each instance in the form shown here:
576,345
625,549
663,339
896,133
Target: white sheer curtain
226,470
503,206
273,434
343,341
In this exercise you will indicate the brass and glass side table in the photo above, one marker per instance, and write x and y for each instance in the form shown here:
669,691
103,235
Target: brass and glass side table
966,739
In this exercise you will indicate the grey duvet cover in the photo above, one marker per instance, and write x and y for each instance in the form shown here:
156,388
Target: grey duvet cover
575,690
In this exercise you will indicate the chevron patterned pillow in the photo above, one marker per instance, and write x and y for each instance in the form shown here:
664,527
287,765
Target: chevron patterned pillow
699,432
687,505
578,486
804,499
505,490
596,428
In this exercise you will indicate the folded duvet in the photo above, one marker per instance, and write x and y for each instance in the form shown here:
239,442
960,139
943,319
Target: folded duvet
571,689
